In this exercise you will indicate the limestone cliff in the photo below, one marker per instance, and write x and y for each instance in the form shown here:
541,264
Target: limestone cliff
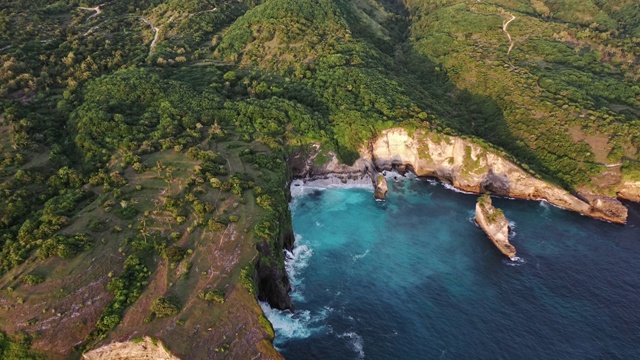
470,167
629,190
495,225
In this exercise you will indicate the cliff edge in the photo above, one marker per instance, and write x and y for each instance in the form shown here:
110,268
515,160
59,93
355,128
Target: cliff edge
470,167
493,222
145,348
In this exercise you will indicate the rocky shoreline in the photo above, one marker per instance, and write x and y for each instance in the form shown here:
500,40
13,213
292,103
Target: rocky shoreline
463,164
470,167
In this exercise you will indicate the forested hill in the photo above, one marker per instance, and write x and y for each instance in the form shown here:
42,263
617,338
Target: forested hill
144,143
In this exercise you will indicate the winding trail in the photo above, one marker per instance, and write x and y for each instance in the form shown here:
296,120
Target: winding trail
156,32
202,12
505,25
613,165
91,30
96,9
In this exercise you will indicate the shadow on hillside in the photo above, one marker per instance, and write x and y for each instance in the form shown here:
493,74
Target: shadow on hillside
460,110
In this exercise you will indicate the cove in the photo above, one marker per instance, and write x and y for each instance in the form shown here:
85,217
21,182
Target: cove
414,278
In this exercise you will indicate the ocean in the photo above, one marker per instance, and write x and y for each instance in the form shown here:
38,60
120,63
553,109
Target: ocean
413,277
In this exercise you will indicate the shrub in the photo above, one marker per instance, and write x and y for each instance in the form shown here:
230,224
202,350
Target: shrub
212,296
267,326
174,253
127,213
97,225
216,225
32,279
165,306
246,275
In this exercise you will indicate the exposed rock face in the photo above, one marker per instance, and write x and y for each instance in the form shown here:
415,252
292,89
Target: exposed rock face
381,188
495,225
610,207
129,350
469,167
303,165
629,190
273,282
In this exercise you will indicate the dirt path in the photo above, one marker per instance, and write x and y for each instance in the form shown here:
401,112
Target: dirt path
505,25
156,32
96,9
202,12
93,28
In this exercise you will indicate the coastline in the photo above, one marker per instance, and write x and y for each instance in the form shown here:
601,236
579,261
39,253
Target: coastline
300,187
458,164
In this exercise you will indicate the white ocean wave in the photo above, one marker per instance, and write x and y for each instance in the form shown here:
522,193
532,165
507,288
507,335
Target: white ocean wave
360,256
453,188
294,325
432,182
295,262
512,229
397,177
301,187
515,261
356,343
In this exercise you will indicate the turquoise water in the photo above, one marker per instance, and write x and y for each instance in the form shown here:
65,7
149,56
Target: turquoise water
414,278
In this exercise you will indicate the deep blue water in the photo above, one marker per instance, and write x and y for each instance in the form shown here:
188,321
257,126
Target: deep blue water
414,278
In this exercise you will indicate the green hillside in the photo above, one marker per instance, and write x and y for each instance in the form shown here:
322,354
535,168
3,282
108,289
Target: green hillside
145,145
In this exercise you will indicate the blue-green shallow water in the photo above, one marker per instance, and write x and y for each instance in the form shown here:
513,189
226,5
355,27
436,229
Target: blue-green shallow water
414,278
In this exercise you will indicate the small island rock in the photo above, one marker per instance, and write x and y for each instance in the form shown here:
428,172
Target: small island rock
495,225
381,188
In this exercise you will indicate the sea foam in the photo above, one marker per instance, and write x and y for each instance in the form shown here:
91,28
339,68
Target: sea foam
356,343
293,325
295,262
360,256
301,187
453,188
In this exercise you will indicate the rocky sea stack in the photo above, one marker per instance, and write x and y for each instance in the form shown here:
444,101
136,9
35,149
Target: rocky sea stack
495,225
381,188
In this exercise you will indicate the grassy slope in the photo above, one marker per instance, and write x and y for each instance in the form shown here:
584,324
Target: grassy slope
565,72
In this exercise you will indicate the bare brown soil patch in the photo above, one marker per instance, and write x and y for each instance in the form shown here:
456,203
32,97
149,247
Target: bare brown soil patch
599,143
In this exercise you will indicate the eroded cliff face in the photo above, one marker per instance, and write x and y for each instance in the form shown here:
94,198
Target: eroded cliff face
469,167
629,190
493,222
304,164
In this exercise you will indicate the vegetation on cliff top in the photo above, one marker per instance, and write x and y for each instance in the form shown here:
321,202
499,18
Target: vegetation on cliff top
491,213
144,146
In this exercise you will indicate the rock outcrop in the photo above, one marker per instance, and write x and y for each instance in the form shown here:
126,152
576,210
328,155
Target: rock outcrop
464,164
131,350
380,192
305,164
493,222
629,190
470,167
271,276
